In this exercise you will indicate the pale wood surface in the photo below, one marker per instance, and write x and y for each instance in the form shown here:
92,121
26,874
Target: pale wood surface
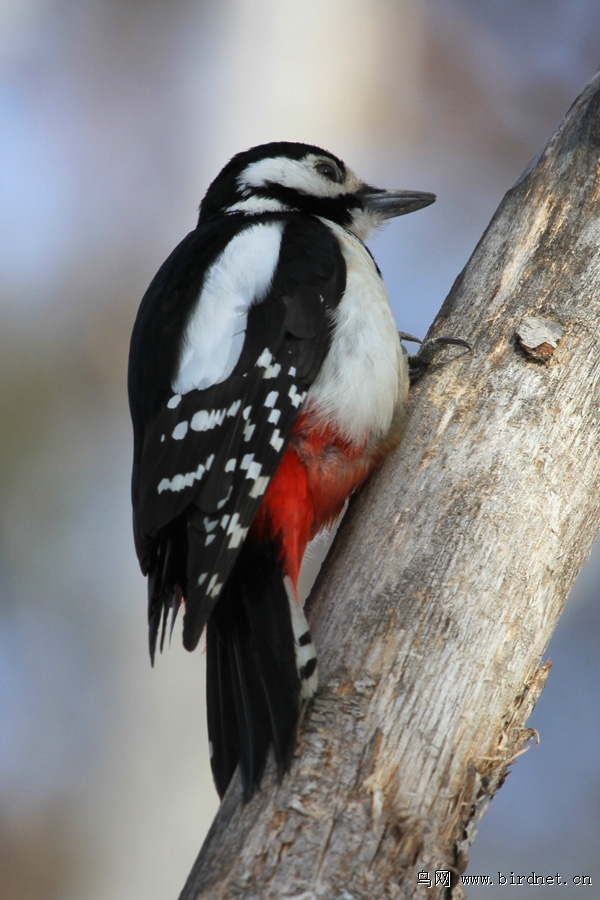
434,609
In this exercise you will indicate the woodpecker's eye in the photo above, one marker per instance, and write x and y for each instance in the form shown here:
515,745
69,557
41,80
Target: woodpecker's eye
328,170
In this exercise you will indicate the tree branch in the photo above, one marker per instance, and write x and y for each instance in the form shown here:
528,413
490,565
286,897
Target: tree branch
449,573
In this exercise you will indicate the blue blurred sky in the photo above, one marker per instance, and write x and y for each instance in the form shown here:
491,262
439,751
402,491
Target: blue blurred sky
114,117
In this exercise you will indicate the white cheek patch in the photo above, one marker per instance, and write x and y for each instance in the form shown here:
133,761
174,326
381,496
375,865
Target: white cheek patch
297,174
239,277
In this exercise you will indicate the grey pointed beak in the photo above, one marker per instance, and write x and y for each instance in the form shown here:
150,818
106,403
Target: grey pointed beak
387,204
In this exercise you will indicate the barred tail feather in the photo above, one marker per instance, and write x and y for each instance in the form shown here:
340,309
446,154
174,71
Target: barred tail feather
306,655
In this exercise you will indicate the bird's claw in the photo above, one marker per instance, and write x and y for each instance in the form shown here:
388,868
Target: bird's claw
419,362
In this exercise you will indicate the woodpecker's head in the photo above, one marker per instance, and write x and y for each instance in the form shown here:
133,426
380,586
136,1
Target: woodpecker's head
289,177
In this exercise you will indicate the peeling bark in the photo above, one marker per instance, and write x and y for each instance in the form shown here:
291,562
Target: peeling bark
446,581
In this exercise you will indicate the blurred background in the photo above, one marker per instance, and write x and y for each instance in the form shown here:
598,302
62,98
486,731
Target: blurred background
115,116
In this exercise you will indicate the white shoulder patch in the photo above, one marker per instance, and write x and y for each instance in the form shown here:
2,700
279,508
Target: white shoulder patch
238,278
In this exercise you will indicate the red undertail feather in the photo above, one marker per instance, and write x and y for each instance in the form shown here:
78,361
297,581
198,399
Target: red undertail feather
318,473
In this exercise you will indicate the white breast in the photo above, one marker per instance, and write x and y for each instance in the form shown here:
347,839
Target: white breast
365,374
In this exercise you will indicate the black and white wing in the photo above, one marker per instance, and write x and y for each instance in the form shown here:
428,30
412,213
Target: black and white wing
254,327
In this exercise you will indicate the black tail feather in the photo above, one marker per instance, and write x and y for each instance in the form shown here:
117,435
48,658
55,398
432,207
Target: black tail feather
166,577
253,686
224,742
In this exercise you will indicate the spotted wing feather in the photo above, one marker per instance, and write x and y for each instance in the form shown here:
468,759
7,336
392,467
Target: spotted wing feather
205,458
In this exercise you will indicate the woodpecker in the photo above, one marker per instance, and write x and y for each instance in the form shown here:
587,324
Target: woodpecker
266,382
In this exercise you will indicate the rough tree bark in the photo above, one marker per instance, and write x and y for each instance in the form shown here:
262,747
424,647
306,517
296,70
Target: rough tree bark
434,609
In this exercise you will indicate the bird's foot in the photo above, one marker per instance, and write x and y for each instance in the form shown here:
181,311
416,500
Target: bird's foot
418,363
